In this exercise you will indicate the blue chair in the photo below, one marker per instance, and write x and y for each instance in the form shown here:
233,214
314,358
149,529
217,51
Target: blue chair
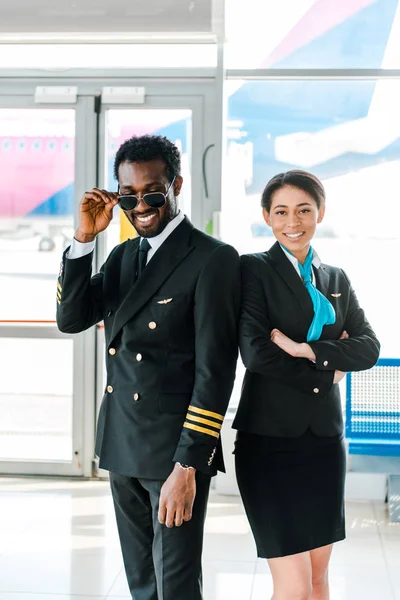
373,424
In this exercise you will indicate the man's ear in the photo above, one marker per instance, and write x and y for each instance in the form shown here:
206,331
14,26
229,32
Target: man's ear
178,185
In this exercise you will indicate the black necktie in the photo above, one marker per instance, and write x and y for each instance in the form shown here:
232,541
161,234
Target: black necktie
142,259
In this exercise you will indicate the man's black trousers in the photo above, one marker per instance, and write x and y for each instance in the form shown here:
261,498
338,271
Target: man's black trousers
160,563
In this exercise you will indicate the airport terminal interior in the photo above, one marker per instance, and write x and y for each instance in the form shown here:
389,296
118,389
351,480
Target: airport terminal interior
245,90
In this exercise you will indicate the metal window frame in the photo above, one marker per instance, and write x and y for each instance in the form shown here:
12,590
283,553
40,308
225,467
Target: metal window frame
304,74
80,392
84,344
199,98
199,89
206,82
158,100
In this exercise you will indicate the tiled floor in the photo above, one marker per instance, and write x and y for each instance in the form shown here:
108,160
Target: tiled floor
58,541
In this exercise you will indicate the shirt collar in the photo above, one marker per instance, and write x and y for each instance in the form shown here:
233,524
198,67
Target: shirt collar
156,241
316,259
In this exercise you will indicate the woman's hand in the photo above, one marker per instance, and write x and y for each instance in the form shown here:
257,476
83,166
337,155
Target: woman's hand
295,349
338,376
284,342
302,350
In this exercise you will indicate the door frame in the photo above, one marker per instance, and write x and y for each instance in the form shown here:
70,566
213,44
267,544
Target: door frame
83,344
196,91
206,83
156,98
195,104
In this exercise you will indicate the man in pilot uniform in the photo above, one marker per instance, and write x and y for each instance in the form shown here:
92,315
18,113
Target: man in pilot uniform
169,300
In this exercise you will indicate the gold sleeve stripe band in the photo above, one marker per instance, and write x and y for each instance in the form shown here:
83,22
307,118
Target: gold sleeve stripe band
59,286
207,413
58,296
204,421
201,429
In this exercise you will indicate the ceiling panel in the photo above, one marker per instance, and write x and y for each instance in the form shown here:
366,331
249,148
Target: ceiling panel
105,16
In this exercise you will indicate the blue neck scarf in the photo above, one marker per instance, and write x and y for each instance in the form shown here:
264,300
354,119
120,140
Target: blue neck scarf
324,313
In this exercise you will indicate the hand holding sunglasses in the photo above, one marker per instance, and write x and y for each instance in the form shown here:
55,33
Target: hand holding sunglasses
95,213
129,202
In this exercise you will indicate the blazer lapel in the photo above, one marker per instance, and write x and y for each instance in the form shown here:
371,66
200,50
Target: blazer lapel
167,258
288,273
322,280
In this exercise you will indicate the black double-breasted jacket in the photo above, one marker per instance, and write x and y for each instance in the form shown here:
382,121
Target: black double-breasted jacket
171,349
283,396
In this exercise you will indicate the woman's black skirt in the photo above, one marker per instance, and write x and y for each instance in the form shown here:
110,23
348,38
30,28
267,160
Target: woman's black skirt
292,491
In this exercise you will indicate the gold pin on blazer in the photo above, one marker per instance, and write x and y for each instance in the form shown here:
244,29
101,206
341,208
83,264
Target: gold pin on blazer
336,295
166,301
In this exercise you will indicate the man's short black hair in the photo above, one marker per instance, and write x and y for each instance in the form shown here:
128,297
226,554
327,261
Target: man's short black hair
144,148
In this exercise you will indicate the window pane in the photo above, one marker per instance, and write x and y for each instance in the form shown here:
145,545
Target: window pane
292,34
346,133
176,124
37,155
36,404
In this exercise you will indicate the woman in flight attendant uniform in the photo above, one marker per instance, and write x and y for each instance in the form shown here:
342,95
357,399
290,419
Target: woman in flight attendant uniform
301,330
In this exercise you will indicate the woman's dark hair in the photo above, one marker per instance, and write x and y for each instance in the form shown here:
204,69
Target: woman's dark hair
307,182
149,147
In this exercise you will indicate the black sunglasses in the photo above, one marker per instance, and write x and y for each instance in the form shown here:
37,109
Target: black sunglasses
153,199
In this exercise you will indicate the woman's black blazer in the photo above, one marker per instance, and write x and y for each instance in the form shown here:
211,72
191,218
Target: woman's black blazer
284,396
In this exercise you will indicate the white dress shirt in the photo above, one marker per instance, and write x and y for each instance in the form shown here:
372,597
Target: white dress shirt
316,262
79,249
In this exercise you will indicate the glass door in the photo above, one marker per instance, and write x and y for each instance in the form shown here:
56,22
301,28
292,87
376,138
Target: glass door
180,119
42,413
50,155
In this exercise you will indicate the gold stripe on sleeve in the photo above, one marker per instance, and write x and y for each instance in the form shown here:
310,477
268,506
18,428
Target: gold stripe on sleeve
204,421
201,429
207,413
59,286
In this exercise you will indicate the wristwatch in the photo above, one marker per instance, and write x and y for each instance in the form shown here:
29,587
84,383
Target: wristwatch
184,467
